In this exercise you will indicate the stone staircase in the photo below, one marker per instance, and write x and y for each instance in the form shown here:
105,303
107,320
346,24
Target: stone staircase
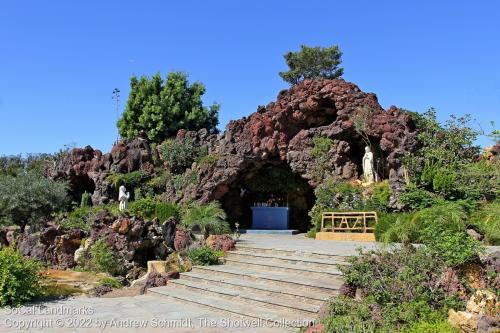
281,286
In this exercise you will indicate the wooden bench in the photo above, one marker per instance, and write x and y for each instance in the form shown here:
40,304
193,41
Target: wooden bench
348,226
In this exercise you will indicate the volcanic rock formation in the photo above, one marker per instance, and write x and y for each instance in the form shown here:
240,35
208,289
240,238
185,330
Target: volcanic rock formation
275,141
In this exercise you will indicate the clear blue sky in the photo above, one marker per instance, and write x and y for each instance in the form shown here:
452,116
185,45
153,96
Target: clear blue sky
60,60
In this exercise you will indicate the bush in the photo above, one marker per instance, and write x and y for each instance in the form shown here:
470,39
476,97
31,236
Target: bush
182,181
319,151
112,282
333,195
487,221
381,195
311,233
83,217
179,154
204,256
450,216
455,248
385,222
129,180
400,288
103,259
480,180
349,316
210,218
149,208
86,199
431,327
207,160
393,277
19,278
414,198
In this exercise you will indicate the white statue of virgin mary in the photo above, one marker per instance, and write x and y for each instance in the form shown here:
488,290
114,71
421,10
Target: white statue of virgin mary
123,197
368,170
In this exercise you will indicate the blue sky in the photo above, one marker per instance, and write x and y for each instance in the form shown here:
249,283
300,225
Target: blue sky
60,60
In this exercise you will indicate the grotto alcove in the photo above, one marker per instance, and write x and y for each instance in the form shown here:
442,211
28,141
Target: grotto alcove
269,182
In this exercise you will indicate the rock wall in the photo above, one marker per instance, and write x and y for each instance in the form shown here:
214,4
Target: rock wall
277,135
86,168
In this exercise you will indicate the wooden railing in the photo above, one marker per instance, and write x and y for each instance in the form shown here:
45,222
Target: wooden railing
363,222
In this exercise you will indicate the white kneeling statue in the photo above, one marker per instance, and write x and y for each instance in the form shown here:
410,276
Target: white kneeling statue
368,169
123,197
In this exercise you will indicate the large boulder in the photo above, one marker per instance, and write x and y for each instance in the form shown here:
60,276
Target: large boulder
221,242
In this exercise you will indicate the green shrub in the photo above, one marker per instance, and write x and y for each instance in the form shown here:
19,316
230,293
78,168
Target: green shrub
397,316
165,210
380,198
385,222
210,218
144,207
103,258
86,199
181,181
487,221
112,282
319,151
414,198
150,208
450,216
204,256
393,277
311,233
333,195
444,183
129,180
207,160
430,327
19,278
81,218
455,248
179,154
479,180
349,316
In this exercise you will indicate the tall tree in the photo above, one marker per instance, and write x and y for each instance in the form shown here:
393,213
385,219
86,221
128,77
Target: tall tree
161,108
313,63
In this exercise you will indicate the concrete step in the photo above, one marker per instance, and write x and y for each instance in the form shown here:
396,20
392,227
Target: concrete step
290,259
248,247
234,306
266,300
280,266
329,286
260,286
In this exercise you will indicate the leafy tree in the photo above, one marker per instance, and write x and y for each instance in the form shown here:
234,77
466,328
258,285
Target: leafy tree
30,199
160,108
313,63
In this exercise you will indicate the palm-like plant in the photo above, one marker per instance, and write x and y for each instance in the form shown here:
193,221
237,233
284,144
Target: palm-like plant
210,218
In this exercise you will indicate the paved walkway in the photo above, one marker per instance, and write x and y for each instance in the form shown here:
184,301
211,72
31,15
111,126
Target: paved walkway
302,243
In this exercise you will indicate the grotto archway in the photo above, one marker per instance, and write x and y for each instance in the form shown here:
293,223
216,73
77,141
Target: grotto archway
269,181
